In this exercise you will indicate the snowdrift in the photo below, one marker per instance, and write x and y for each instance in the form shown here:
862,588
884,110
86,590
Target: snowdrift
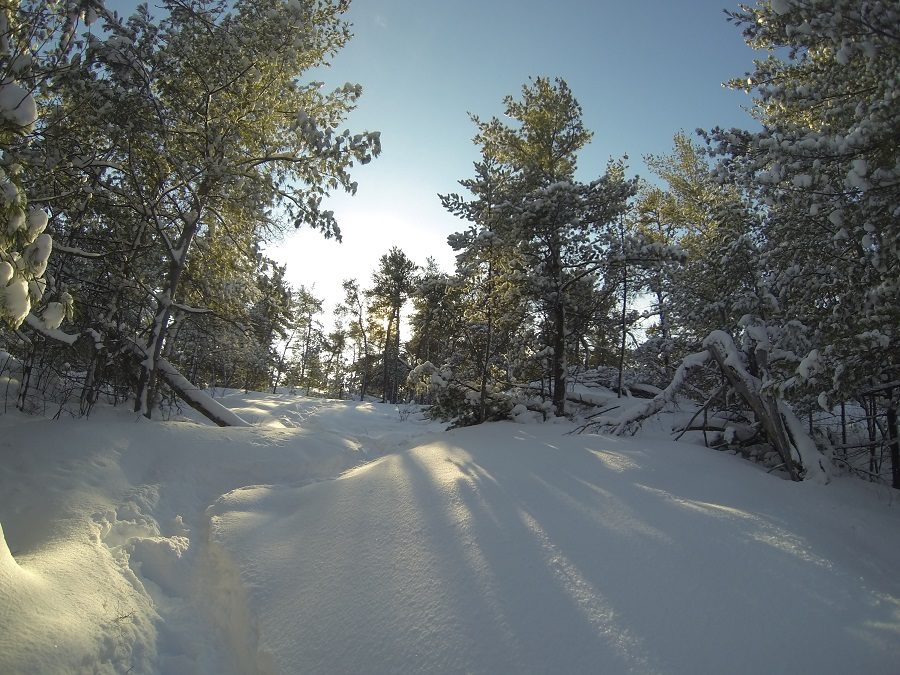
335,537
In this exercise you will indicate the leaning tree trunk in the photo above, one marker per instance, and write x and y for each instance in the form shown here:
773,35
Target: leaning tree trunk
158,331
763,405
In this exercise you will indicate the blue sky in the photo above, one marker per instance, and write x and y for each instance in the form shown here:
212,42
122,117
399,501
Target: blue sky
641,69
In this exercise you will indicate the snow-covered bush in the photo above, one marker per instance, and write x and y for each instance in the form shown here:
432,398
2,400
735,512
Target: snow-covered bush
456,401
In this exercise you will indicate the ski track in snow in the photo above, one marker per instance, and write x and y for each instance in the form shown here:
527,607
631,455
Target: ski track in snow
334,537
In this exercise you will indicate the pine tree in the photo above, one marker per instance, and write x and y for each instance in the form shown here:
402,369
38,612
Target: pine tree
706,287
491,307
392,284
202,134
558,227
826,169
355,307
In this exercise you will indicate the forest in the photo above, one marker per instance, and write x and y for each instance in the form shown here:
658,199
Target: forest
147,161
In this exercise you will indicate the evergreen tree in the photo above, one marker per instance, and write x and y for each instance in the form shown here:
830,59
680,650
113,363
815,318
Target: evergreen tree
826,169
713,281
201,136
392,284
334,348
308,332
491,305
355,307
558,227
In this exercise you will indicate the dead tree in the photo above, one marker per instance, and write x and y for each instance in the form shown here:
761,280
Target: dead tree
799,454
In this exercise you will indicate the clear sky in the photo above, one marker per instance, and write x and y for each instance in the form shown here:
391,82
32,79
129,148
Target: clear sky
641,69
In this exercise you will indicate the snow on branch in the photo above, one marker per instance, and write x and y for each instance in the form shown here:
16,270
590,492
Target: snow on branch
801,458
37,324
630,422
199,400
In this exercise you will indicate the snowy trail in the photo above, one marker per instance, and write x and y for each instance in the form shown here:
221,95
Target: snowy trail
183,549
514,549
194,585
112,569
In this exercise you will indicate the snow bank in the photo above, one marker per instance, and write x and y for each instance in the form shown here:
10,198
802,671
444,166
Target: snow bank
175,548
110,567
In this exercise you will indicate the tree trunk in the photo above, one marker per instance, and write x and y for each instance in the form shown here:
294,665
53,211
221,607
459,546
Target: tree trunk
624,331
158,331
279,369
395,383
485,363
386,361
664,328
364,380
364,385
559,357
764,407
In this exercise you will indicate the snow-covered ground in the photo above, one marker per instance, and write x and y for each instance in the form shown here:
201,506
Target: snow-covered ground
336,537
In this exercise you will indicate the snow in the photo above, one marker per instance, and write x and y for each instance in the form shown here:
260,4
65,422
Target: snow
16,220
15,301
53,315
17,105
37,223
341,537
37,253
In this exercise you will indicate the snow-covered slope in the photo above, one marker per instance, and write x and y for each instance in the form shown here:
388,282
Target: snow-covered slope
507,548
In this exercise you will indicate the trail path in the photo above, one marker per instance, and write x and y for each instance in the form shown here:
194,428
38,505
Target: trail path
339,537
516,549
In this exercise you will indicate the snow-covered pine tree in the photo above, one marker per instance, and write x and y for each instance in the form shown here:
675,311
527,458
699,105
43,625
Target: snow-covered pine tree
716,281
558,226
493,310
826,167
436,316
